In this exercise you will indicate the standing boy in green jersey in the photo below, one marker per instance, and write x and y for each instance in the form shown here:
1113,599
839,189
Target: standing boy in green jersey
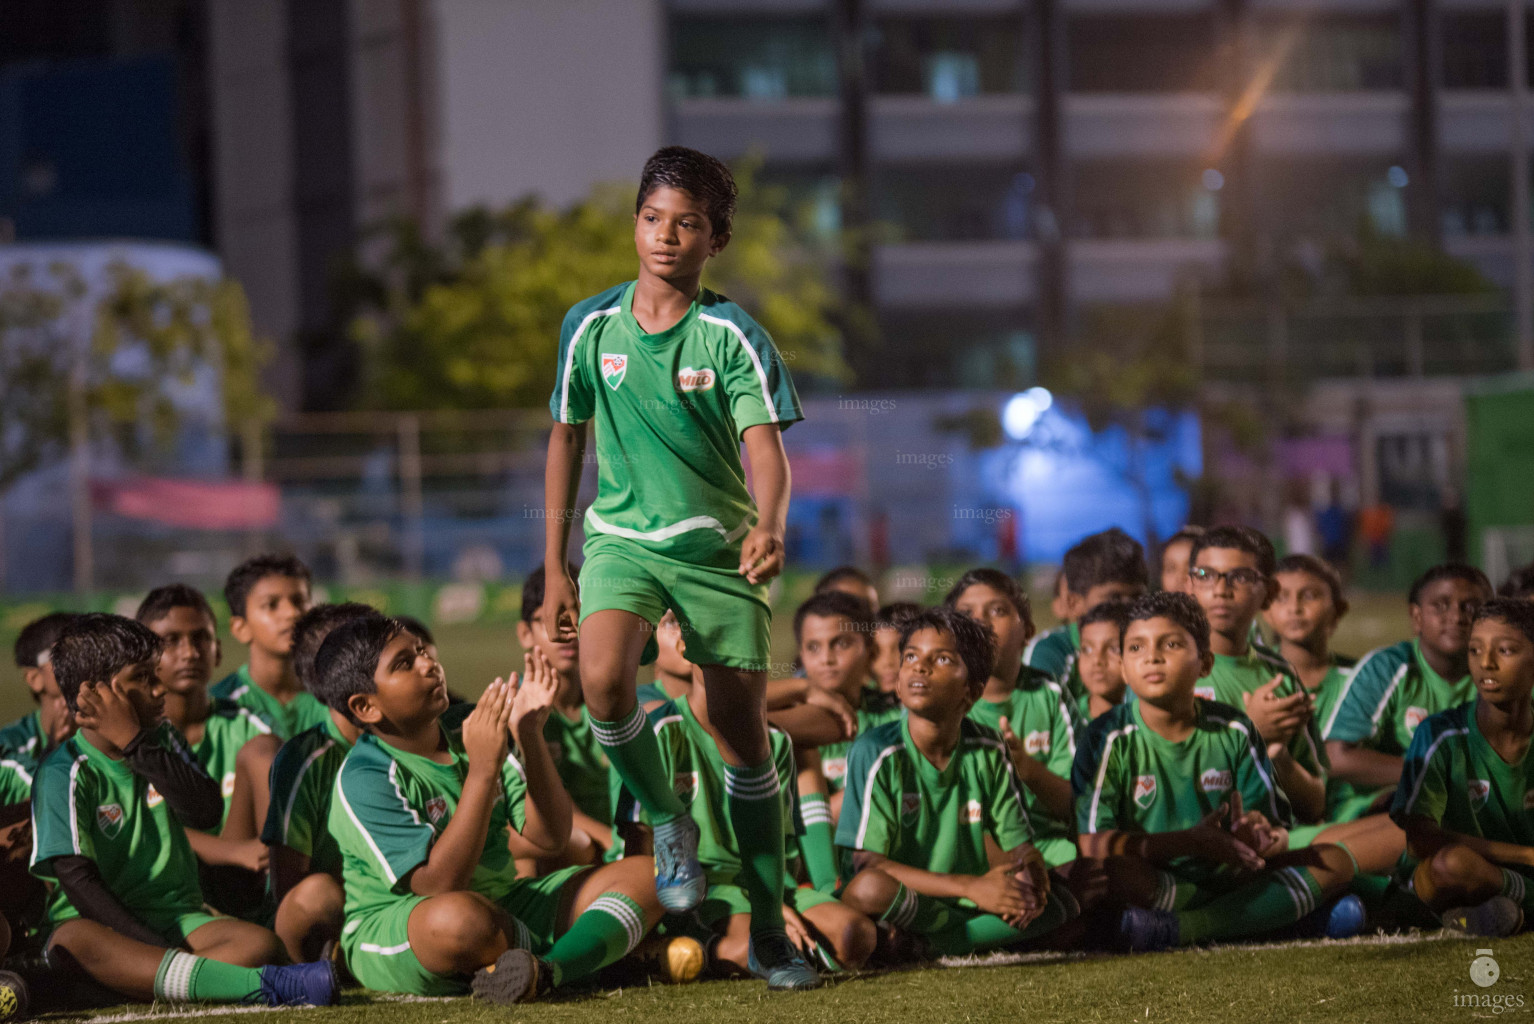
31,736
577,755
676,377
1232,574
233,746
1304,615
1099,662
266,595
1466,798
1027,708
430,811
1161,783
1107,566
305,860
111,807
923,795
1394,689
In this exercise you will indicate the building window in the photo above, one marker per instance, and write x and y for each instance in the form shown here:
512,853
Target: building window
752,58
949,59
1334,54
1474,193
942,203
1475,50
810,197
1145,199
1142,53
1324,198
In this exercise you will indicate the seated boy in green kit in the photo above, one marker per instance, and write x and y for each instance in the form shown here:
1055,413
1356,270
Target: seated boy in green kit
1027,708
266,595
111,806
1098,662
1466,798
923,794
1161,783
429,813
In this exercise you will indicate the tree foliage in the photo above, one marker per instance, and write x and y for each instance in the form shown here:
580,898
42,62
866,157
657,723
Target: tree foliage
118,354
473,321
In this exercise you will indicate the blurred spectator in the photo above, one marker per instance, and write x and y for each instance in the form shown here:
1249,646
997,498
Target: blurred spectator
1376,524
1336,529
1451,520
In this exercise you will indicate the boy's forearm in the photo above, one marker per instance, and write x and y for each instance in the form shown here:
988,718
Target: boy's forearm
809,727
1357,764
1424,838
1155,847
769,474
1306,792
548,810
786,693
1053,791
191,793
601,835
561,489
925,883
454,856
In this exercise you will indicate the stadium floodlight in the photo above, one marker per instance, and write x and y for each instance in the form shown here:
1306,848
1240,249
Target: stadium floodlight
1023,410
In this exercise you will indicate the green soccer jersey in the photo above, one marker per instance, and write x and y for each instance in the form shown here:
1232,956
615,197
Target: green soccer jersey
23,737
287,720
1054,653
1045,721
228,728
874,709
15,780
1454,778
691,756
1129,778
303,780
1233,677
89,804
899,805
389,807
581,764
670,408
1331,687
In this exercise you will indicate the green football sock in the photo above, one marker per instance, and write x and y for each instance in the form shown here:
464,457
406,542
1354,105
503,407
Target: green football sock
1516,888
816,843
913,912
984,932
634,754
184,978
1275,899
1372,889
605,932
755,803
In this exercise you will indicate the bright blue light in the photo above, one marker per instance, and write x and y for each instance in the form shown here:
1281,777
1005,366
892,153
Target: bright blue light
1213,180
1397,177
1023,410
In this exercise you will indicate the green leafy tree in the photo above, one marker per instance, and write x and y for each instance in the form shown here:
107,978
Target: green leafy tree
473,321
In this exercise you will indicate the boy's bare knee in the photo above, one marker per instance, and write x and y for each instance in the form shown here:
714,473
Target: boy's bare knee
870,892
457,929
857,940
1452,866
319,896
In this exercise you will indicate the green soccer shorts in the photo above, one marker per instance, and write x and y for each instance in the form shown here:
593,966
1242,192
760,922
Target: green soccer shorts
1056,850
721,902
171,924
377,944
725,619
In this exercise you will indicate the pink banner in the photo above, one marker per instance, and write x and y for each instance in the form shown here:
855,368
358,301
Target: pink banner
196,504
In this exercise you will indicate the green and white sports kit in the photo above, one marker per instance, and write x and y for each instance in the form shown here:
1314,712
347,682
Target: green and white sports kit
1391,692
228,728
1235,676
1054,653
303,784
1453,778
88,804
23,738
1046,723
672,507
874,709
581,764
16,775
304,711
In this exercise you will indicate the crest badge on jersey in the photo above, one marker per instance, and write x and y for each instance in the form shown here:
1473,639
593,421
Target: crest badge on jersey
152,797
1477,790
436,807
1528,800
910,803
1145,790
109,818
835,768
688,379
685,785
1415,717
614,366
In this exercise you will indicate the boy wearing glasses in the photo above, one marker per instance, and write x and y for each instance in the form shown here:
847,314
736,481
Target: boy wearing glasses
1232,572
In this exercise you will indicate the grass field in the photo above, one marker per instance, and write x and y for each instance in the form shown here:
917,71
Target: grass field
1413,978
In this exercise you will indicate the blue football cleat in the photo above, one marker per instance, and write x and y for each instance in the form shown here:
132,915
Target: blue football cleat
777,960
679,881
1148,931
311,984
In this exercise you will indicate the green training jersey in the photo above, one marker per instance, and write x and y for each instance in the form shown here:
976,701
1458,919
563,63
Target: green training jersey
1127,777
1331,687
1454,778
389,807
874,709
691,756
581,764
1054,653
23,737
1235,676
15,781
670,408
901,806
89,804
287,720
303,780
1046,723
228,728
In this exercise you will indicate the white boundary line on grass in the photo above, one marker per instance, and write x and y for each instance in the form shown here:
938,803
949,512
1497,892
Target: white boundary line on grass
173,1011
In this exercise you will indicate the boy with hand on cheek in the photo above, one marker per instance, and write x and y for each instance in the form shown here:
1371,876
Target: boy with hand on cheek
1305,613
1466,798
429,820
924,793
1176,796
266,595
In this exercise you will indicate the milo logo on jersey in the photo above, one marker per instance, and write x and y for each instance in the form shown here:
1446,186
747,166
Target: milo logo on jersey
1036,743
1215,780
227,785
614,366
1477,790
436,807
688,379
1145,790
972,813
1414,717
1206,692
109,818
